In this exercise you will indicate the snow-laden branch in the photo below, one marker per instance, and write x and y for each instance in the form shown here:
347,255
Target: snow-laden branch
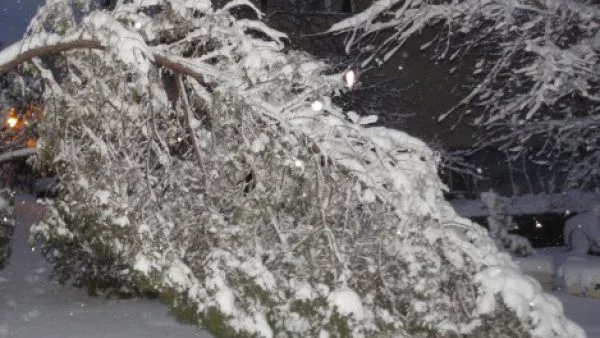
179,67
42,45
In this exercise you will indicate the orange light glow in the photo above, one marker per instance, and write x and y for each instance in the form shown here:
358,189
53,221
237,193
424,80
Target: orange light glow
31,143
19,126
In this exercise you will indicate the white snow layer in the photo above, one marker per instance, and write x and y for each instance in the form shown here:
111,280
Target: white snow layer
524,295
540,267
576,277
583,310
347,302
582,231
580,275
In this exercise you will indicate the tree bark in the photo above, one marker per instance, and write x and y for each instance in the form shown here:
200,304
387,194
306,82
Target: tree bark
47,50
29,54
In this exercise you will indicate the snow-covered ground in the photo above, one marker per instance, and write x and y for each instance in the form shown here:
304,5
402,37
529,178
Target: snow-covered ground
559,269
31,306
583,311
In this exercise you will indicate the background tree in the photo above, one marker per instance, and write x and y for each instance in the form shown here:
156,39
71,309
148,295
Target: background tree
243,196
534,68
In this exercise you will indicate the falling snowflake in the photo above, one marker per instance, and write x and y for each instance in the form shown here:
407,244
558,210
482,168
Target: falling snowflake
317,106
350,78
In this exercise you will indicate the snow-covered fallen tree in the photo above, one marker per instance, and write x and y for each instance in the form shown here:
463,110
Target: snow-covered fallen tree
6,226
199,160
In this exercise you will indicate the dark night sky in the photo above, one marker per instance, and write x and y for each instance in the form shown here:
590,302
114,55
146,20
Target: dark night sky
14,18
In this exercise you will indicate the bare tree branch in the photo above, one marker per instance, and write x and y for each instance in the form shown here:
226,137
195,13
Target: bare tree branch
27,55
8,61
177,67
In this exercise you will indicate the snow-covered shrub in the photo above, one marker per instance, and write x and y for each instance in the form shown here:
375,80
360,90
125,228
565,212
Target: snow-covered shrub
499,223
580,275
582,231
6,226
199,160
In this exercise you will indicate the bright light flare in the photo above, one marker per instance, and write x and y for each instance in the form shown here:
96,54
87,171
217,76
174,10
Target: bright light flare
12,122
350,78
538,224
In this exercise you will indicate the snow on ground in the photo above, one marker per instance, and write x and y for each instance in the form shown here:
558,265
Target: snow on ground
31,306
540,267
568,270
583,311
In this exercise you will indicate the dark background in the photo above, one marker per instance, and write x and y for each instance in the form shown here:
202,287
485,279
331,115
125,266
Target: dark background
14,18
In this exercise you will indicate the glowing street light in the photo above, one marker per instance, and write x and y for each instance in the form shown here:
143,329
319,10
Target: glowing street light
18,124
